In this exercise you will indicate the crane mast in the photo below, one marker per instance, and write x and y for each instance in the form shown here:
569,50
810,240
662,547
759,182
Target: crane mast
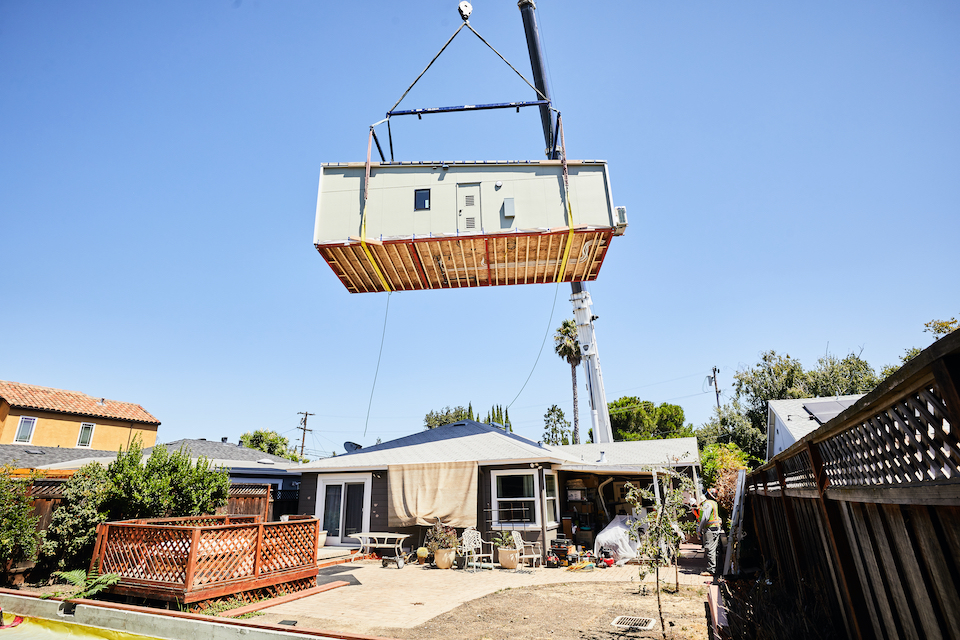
580,297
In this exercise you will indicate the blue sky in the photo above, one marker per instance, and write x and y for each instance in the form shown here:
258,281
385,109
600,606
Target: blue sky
790,172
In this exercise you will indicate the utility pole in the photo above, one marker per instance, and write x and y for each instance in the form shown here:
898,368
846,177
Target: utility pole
580,297
303,427
715,387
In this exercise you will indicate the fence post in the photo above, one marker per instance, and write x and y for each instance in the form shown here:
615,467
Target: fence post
256,558
792,531
854,604
191,560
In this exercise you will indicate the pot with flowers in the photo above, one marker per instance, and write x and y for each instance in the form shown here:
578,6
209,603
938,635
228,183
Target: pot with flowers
442,541
507,553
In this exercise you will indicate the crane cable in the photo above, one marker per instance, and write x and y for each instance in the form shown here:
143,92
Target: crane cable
363,216
566,197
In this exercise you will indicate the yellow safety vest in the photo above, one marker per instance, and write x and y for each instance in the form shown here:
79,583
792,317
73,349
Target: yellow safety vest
710,516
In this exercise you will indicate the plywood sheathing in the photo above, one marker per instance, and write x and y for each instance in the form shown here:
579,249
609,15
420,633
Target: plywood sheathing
469,261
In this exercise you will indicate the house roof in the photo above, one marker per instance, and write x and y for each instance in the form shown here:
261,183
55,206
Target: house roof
30,457
468,441
31,396
640,453
220,454
463,441
799,416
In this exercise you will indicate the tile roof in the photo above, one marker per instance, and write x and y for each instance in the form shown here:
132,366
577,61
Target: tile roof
31,396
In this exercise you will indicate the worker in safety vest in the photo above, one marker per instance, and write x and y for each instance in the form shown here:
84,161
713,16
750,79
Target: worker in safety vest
709,529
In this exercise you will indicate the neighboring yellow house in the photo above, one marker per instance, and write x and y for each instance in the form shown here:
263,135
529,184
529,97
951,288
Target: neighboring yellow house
45,417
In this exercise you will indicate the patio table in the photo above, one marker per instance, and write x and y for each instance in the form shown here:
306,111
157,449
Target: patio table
382,540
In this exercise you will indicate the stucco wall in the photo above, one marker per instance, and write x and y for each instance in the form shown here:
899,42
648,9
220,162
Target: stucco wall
62,430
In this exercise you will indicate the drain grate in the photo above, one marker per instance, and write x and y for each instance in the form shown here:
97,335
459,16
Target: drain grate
633,623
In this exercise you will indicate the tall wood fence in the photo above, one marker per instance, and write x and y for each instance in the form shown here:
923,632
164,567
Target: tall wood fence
866,510
243,499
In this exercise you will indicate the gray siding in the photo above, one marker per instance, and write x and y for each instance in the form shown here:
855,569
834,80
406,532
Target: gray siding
308,494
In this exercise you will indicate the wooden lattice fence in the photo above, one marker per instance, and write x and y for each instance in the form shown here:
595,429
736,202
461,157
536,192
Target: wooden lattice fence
866,510
193,559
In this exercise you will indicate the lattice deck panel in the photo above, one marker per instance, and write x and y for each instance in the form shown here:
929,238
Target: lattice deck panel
470,261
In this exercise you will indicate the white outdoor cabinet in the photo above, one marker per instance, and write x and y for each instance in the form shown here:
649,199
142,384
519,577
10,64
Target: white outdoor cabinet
432,225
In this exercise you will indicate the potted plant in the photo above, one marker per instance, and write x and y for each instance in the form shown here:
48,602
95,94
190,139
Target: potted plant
507,554
422,554
442,541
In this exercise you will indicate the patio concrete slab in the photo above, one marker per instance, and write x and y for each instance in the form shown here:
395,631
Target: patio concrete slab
389,597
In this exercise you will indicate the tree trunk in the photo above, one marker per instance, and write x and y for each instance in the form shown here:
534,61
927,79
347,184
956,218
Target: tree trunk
663,627
576,411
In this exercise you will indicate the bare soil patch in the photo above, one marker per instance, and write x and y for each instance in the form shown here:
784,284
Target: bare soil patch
577,611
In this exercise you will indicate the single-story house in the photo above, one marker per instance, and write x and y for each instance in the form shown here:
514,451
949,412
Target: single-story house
789,420
472,474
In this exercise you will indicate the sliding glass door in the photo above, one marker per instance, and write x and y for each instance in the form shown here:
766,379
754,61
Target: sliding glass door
344,507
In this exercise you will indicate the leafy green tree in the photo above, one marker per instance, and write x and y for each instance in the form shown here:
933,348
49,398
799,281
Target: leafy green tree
908,355
501,416
839,377
775,377
729,425
19,538
940,328
167,485
446,415
718,458
566,344
73,526
634,419
556,428
271,442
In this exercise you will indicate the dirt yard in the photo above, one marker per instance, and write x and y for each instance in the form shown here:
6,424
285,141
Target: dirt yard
564,612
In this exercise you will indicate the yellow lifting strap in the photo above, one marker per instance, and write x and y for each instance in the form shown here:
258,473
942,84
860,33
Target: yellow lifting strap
363,217
566,197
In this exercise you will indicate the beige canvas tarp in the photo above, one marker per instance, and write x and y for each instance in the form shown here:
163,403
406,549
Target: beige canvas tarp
418,494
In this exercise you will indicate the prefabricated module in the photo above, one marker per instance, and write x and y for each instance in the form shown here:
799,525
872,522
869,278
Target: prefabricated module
438,225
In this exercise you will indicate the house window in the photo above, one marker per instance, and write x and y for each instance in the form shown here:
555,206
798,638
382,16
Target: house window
421,199
86,434
25,429
516,499
552,504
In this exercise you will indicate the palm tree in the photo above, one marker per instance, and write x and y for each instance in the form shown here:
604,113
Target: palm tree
567,346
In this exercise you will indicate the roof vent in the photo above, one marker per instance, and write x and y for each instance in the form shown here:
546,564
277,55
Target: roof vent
204,439
102,402
35,452
223,440
603,457
264,461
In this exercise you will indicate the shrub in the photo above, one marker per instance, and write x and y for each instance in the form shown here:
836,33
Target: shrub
73,527
19,538
440,536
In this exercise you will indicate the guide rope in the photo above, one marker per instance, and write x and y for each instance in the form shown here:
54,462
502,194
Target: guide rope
377,371
363,216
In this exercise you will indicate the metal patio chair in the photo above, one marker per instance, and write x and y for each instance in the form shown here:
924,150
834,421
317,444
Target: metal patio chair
472,548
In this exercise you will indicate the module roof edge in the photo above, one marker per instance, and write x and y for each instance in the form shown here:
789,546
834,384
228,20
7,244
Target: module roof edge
437,163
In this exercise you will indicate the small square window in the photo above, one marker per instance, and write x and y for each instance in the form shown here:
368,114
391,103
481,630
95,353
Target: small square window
421,200
25,429
86,434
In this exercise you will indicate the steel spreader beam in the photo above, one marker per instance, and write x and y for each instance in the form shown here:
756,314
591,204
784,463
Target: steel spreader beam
469,107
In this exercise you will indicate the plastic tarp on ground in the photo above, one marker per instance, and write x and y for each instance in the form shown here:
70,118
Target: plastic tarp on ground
616,537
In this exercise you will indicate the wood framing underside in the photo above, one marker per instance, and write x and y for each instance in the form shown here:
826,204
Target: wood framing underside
469,261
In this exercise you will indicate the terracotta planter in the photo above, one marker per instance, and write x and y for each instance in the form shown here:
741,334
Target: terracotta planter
443,558
509,558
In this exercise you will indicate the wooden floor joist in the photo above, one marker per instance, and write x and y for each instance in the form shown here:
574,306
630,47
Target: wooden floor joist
469,261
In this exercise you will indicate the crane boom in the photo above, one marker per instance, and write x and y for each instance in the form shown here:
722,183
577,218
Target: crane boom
580,297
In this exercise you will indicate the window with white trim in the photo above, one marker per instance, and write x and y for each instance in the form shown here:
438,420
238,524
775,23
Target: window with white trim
86,434
25,430
553,503
516,499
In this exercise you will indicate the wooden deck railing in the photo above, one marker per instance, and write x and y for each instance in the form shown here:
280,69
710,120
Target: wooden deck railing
867,507
191,559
